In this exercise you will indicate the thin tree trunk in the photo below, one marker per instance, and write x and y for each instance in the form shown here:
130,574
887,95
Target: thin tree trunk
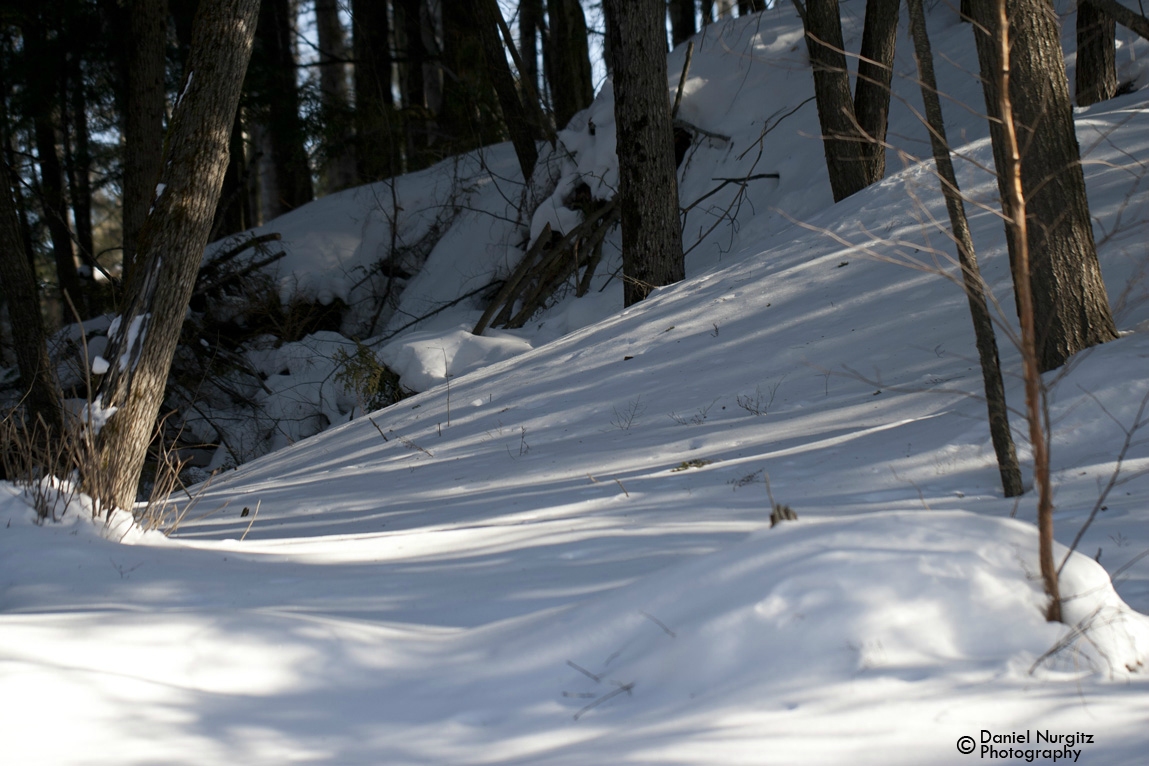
1011,174
530,27
143,120
376,144
338,166
278,95
841,139
872,89
18,284
1070,302
681,20
514,113
1096,75
44,81
971,275
572,85
414,85
233,214
171,246
78,161
648,186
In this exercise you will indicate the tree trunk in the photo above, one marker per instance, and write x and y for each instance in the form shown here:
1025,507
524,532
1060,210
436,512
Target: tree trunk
1010,173
1070,303
469,117
1096,77
171,245
338,164
143,120
78,161
376,147
872,89
648,187
44,61
841,139
413,81
274,88
572,85
233,214
681,20
18,283
530,29
975,288
514,113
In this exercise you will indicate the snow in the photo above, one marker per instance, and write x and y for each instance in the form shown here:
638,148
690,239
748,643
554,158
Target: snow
559,552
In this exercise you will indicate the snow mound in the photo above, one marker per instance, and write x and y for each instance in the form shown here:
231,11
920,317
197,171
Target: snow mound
907,595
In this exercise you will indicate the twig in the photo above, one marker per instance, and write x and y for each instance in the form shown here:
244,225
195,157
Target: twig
585,672
659,623
253,516
609,695
682,80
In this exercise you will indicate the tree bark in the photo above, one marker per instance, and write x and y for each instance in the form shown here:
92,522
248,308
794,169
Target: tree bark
1070,302
18,283
1014,202
514,113
1096,75
530,28
233,214
872,88
376,147
572,85
171,244
648,185
78,161
841,138
45,74
1124,16
469,117
274,88
143,120
413,81
681,14
338,165
975,288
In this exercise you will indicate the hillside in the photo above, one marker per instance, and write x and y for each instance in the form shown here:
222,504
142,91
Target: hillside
559,552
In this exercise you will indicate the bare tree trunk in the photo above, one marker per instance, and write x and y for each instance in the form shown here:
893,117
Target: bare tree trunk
233,214
841,138
530,29
338,166
648,186
45,75
469,117
514,113
1096,76
975,288
171,246
872,89
1011,174
681,20
274,87
1070,302
143,120
18,284
376,147
413,81
572,86
78,162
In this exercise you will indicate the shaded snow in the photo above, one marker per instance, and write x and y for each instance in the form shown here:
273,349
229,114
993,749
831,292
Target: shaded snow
578,524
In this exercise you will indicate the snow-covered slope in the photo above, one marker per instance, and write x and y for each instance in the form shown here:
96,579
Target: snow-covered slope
564,557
